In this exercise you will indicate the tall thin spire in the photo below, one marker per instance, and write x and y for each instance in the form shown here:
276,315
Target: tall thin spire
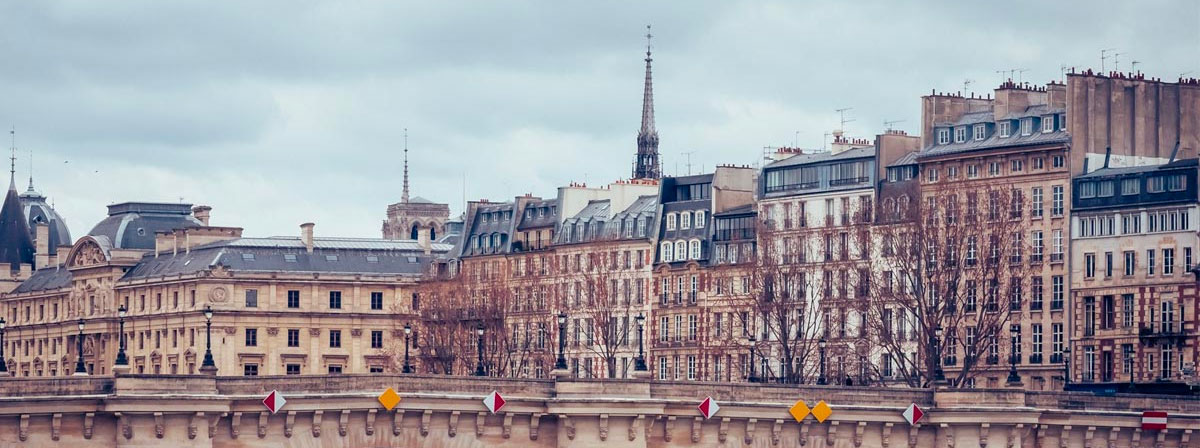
404,194
12,170
31,169
646,164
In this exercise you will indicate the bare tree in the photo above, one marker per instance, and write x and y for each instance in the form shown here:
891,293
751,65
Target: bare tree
605,300
939,273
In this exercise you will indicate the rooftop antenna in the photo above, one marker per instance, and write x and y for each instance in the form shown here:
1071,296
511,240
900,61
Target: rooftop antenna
1181,75
842,117
796,140
1133,66
889,123
966,85
1117,61
1020,74
689,160
1009,72
1062,73
824,138
1104,58
12,170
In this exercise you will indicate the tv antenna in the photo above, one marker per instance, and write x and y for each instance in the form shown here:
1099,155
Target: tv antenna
889,123
1104,58
966,85
1117,61
1021,75
1133,66
1062,73
688,154
842,117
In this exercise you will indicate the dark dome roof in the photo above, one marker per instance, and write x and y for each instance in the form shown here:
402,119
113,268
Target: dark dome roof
36,211
132,225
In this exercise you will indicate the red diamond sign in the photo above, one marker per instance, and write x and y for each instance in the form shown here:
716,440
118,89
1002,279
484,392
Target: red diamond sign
913,414
493,402
708,407
274,401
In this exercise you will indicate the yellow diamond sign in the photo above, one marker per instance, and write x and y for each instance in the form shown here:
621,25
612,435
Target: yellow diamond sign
822,411
799,410
389,398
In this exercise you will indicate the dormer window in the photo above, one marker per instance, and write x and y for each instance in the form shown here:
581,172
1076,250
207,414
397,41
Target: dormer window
1026,126
1062,122
670,221
1048,123
943,136
960,134
980,132
1005,128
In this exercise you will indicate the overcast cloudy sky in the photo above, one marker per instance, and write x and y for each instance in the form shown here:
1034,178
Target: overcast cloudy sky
277,113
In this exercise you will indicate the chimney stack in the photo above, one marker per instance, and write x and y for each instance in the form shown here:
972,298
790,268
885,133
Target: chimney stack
42,246
423,239
201,212
306,235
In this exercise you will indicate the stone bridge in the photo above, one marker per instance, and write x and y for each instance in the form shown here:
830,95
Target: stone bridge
446,411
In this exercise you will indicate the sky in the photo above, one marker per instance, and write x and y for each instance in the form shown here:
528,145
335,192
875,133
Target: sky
277,113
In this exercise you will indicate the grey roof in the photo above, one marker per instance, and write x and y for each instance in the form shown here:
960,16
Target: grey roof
596,209
971,118
420,200
1106,172
45,279
907,159
643,204
38,211
16,246
994,141
132,225
1036,110
292,242
544,220
598,213
818,157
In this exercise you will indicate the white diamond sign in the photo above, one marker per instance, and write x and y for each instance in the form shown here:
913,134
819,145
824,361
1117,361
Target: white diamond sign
494,402
708,407
913,414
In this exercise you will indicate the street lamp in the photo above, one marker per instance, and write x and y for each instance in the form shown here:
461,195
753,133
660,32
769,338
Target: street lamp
208,366
479,366
561,362
407,334
640,364
1066,367
1013,378
3,361
821,381
938,374
753,377
122,360
1128,361
80,370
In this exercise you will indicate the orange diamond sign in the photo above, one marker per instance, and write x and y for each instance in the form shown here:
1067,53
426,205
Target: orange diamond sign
799,410
389,398
822,411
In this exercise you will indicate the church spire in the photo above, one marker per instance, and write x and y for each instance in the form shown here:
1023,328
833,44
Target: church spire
645,164
404,194
12,170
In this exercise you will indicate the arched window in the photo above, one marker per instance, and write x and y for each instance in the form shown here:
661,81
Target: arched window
680,250
889,207
902,206
685,220
665,252
694,249
413,233
432,233
670,221
699,221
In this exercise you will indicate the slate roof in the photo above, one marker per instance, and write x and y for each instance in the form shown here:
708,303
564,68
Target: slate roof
36,211
907,159
1106,172
16,246
598,212
132,225
995,141
45,279
817,157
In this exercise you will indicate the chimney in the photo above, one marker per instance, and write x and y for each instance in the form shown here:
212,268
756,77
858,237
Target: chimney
42,246
306,235
423,239
201,212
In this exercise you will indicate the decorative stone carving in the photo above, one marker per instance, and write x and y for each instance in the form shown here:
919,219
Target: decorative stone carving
1185,439
749,438
272,331
344,422
289,423
1088,436
668,425
55,427
480,419
603,427
23,428
159,425
1160,440
428,414
1113,433
235,424
355,332
804,432
697,425
948,434
397,421
453,430
723,430
534,421
212,425
89,420
508,418
984,429
831,433
314,331
371,421
775,430
88,254
262,424
1015,435
126,427
912,435
218,294
858,433
634,425
886,439
1137,437
316,424
1064,437
568,425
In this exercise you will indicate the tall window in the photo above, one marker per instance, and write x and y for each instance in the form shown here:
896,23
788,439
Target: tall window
699,221
251,337
1005,128
293,299
667,251
1056,340
293,337
685,220
376,300
1168,261
1036,354
376,339
251,298
980,132
335,338
1130,262
335,300
1037,203
1056,206
1057,254
671,221
1056,292
1150,261
960,134
943,136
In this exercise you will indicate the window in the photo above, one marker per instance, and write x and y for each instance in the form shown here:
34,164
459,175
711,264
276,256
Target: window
1108,264
331,258
692,327
293,337
335,300
293,369
1035,294
252,337
335,338
1150,261
952,172
1056,207
1038,247
335,369
1130,262
931,174
1187,259
293,299
250,370
1035,355
1026,126
1048,123
1089,364
1057,254
694,249
1056,292
1131,224
1130,186
680,251
376,339
662,367
685,220
1168,261
1059,161
1039,163
994,169
943,136
1005,128
1056,341
691,367
1037,203
699,221
960,134
972,171
1016,165
666,249
251,298
289,258
670,221
1087,190
980,132
376,300
1127,310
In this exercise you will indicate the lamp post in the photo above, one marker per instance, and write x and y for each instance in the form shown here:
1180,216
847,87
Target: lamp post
80,370
753,377
3,361
1066,367
407,334
561,362
122,360
939,376
821,381
479,366
1129,361
1013,377
640,364
208,367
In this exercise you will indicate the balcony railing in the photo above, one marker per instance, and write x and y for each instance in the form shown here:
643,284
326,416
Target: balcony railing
1035,359
848,181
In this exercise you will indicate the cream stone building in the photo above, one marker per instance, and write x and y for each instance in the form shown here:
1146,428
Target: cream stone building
280,305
